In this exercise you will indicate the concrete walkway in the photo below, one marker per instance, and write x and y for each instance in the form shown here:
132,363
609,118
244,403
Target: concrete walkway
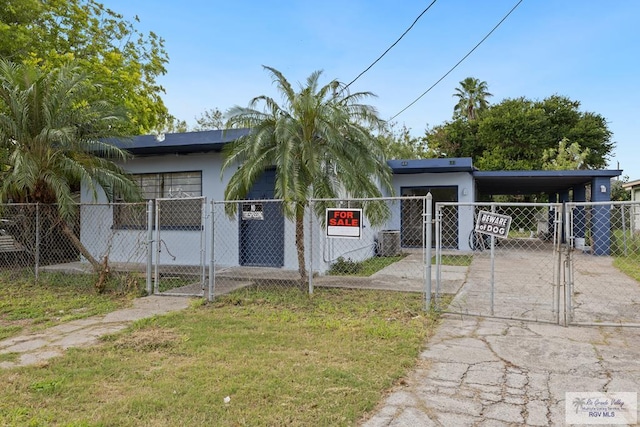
489,372
37,348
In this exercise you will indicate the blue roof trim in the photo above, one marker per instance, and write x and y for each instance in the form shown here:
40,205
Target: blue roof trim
587,173
180,143
454,164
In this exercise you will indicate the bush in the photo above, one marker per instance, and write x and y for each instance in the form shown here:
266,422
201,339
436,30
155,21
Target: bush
345,266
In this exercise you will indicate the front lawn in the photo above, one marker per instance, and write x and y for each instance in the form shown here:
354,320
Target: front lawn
28,306
252,357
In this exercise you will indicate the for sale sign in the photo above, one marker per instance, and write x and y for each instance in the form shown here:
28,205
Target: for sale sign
493,224
345,223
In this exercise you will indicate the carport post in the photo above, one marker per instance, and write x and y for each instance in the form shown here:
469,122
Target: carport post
427,242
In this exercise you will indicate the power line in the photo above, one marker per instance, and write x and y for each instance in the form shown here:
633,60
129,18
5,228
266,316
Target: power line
459,62
390,47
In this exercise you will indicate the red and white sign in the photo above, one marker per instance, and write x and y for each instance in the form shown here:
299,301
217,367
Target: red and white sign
346,223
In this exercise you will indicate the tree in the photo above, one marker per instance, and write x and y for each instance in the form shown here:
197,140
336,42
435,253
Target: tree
54,130
109,49
618,192
400,144
514,134
565,157
321,146
472,98
211,119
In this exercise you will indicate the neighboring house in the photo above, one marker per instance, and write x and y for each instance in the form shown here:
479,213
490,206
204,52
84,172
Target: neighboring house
634,188
184,166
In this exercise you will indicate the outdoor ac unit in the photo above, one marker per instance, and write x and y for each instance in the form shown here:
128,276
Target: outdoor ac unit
389,243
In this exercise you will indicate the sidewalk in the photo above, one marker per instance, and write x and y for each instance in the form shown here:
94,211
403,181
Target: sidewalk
39,347
491,372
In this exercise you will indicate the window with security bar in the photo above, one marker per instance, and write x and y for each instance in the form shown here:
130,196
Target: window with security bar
182,212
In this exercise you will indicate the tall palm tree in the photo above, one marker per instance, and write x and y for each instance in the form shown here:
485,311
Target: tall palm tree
472,98
320,143
54,140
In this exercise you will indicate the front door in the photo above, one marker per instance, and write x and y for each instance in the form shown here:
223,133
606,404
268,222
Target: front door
413,210
262,226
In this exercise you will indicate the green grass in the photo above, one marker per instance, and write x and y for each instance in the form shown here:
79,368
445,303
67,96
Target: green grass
626,253
283,358
461,260
27,306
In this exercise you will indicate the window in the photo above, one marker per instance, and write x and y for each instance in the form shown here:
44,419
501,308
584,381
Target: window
180,213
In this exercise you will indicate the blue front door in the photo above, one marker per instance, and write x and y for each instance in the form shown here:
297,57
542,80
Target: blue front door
262,226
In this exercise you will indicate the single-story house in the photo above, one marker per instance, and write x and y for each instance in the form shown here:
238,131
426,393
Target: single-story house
188,165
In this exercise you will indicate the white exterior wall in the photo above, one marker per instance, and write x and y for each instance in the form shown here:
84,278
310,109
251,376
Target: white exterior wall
466,194
186,246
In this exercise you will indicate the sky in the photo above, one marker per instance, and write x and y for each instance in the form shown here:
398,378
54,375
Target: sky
586,50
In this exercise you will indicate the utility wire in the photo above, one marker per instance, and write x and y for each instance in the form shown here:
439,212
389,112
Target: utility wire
459,62
390,47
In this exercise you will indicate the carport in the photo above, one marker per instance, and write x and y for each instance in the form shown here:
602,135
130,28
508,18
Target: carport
560,186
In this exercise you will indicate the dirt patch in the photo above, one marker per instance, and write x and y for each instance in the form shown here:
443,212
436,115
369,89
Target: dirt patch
149,339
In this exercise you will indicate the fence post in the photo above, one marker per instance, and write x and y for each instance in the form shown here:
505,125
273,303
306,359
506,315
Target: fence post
427,242
149,245
310,270
212,268
37,252
203,242
568,269
493,267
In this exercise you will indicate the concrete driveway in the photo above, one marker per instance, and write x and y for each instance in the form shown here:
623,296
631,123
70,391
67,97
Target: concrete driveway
489,372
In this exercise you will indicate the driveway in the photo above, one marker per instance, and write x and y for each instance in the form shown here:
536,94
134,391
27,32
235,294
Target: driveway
482,371
489,372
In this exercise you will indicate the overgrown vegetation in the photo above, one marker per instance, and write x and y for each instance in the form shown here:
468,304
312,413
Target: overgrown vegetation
625,249
27,305
348,267
251,358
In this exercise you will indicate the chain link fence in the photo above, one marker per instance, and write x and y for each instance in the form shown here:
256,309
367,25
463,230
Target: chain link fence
577,263
37,239
603,278
513,271
355,244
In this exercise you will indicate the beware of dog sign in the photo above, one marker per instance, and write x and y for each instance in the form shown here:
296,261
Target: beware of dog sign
345,223
493,224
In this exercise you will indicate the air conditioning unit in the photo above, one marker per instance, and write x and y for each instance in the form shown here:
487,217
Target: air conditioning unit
389,243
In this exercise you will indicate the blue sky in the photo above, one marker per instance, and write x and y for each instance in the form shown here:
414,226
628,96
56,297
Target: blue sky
586,50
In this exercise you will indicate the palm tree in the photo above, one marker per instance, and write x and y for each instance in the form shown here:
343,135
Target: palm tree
472,98
54,140
320,143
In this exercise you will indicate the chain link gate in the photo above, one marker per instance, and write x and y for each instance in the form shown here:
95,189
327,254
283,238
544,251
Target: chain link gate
516,277
180,246
603,264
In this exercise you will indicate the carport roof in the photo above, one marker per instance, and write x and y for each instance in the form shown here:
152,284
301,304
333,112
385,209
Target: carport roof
536,181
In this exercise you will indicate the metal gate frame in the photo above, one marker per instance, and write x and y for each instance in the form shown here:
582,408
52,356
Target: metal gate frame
593,217
616,313
556,308
197,288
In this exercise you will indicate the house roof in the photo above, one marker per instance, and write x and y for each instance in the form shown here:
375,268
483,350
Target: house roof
487,182
180,143
631,184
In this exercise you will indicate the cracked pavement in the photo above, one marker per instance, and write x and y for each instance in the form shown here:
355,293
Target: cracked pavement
493,372
37,348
